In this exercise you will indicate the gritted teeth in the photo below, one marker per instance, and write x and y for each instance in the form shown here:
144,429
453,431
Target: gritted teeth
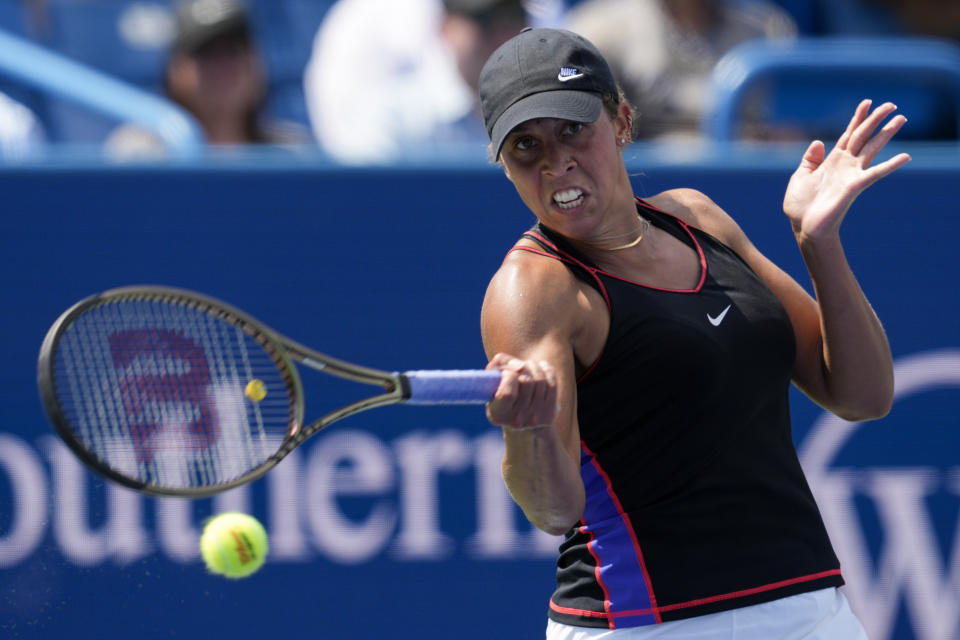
568,198
568,195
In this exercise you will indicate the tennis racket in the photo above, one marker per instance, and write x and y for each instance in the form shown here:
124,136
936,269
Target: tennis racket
171,392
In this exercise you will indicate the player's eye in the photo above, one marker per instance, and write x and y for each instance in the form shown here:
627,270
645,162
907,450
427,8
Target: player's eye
572,128
524,143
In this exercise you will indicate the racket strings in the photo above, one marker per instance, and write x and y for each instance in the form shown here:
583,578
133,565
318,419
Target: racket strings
157,392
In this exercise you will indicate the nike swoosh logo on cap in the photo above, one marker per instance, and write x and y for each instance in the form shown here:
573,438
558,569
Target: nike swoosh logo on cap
716,321
567,74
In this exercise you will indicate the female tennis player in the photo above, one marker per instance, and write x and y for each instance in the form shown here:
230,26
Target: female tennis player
647,348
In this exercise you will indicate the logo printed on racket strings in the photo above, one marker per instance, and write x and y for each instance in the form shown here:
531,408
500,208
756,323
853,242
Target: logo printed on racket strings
568,73
145,384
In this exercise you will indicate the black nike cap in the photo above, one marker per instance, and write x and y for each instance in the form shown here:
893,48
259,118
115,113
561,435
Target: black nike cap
542,73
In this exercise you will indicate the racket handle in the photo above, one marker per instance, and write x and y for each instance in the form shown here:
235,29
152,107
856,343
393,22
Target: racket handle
451,387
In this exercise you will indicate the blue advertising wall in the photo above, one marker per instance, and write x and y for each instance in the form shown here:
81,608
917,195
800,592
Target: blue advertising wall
395,522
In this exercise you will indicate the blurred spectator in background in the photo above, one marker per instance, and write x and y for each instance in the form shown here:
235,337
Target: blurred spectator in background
21,134
217,74
386,74
662,51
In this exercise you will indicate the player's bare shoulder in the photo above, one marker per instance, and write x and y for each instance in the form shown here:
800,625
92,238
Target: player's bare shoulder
531,295
698,210
528,280
692,206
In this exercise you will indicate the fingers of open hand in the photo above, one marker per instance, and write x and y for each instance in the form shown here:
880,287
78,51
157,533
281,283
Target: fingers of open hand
812,157
877,142
859,139
866,142
527,395
858,117
822,188
887,167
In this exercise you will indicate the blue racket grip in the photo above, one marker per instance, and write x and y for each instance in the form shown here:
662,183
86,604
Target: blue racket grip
451,387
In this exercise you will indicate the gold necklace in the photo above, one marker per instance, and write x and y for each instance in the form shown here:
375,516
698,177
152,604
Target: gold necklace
643,231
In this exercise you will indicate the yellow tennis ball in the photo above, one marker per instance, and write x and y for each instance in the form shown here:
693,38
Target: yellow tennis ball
256,390
233,545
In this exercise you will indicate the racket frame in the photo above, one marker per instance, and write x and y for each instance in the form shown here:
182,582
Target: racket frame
281,349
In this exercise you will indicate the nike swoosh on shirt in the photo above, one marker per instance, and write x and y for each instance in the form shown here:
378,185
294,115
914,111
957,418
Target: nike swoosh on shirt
716,321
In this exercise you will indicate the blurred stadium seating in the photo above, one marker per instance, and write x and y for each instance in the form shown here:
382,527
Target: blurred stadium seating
127,39
12,19
811,84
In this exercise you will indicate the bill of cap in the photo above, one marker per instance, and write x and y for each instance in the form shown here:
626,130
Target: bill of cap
578,106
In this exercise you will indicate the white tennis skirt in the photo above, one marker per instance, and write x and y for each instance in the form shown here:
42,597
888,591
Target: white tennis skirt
818,615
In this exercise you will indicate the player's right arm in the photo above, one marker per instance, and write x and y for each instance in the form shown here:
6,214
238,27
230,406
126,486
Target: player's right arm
531,317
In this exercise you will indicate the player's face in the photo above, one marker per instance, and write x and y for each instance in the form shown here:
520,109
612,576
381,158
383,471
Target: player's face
571,175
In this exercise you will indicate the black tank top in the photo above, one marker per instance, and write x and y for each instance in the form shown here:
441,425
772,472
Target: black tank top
696,501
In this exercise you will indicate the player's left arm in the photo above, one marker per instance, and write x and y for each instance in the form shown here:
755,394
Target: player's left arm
843,360
843,357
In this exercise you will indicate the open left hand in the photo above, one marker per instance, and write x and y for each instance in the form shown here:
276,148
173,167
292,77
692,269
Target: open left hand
823,187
